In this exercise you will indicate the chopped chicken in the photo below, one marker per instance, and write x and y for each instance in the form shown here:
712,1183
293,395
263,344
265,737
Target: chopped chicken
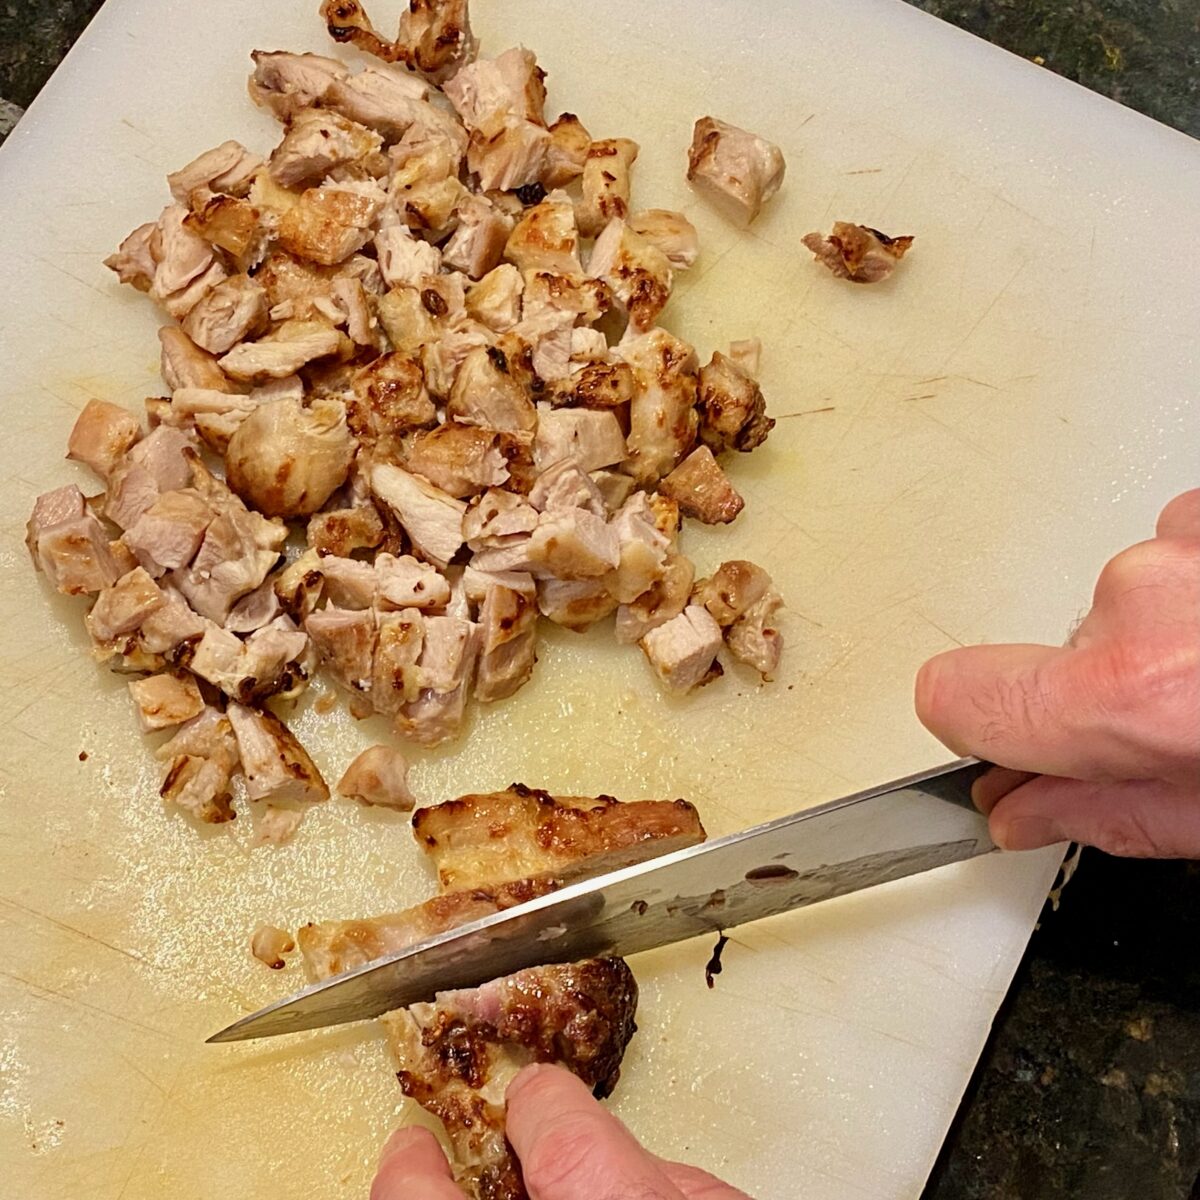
462,460
331,222
287,459
575,604
289,84
378,776
508,624
509,153
169,533
164,455
605,183
351,298
662,417
486,393
395,679
496,516
592,438
481,840
182,258
203,757
643,550
444,671
405,582
235,309
572,543
546,238
134,261
283,352
300,585
754,639
121,608
477,245
267,663
349,582
443,360
67,541
389,399
215,416
316,142
638,273
231,562
604,385
746,355
702,490
277,824
731,590
345,643
228,168
404,259
166,700
683,650
732,410
269,944
276,767
431,517
670,232
165,629
510,85
495,300
548,295
659,603
737,171
394,102
858,252
566,484
344,530
255,609
102,434
233,225
184,364
568,151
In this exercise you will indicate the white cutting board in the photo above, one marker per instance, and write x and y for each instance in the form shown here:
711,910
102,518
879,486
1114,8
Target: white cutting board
1013,407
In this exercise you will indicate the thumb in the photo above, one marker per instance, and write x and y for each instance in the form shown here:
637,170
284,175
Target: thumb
412,1164
1142,819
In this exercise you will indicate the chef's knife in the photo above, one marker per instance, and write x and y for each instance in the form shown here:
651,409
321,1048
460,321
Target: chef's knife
901,828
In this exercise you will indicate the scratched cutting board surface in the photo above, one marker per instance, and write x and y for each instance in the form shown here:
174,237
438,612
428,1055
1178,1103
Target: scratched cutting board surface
958,451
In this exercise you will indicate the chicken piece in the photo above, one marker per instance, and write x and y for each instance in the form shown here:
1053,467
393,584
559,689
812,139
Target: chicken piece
435,35
546,238
662,417
331,222
754,638
575,604
732,410
203,757
269,662
215,416
166,700
443,358
184,364
282,353
614,487
378,776
605,184
462,460
508,623
481,840
444,671
344,530
345,643
511,85
276,767
121,607
349,582
235,309
496,516
458,1055
670,232
230,563
277,824
235,226
102,434
547,294
683,650
301,290
169,533
486,393
592,438
637,272
289,84
643,550
424,190
731,590
228,168
395,678
572,543
736,171
566,484
660,603
568,151
165,629
405,259
181,257
164,454
858,252
702,490
269,944
405,582
255,609
430,517
392,101
134,261
495,301
390,399
287,459
599,385
508,153
746,355
477,245
316,142
131,491
300,585
350,297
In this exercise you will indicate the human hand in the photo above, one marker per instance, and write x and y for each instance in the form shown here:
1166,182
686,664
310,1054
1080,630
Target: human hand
570,1148
1102,736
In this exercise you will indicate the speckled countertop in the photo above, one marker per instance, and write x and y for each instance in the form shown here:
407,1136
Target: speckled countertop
1090,1085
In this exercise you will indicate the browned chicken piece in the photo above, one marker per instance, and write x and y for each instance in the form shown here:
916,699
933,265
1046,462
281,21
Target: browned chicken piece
276,767
134,261
733,413
131,490
755,639
121,608
291,346
288,83
351,298
662,416
184,364
228,168
316,142
269,662
858,252
424,190
164,454
543,343
378,776
565,484
731,590
182,259
68,543
390,399
584,299
269,944
255,610
301,290
601,385
746,355
435,35
637,272
214,415
702,490
345,640
462,460
508,153
166,700
233,225
572,543
300,585
508,628
344,530
592,438
287,459
477,245
231,562
445,671
495,300
589,346
405,259
486,393
546,238
643,550
736,171
481,840
511,85
349,582
443,359
683,650
395,677
496,516
575,604
605,184
431,517
394,102
203,757
235,309
169,533
405,582
458,1055
102,434
614,487
167,627
331,222
670,232
659,603
567,154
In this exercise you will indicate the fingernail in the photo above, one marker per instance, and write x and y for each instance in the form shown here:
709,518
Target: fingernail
1028,833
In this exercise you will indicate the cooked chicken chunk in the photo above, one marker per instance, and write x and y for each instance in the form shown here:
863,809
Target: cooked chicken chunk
395,679
643,550
169,533
435,35
486,393
289,84
407,583
269,662
591,438
345,644
754,638
182,258
483,839
349,582
69,544
510,85
637,272
508,626
683,651
255,609
344,530
670,232
316,142
389,399
134,261
378,776
203,757
568,151
546,238
231,562
732,410
235,309
431,517
331,222
495,517
102,433
404,259
166,700
444,671
184,364
508,153
746,355
575,604
731,590
605,184
495,300
477,245
858,252
702,490
215,416
662,417
602,384
572,543
566,484
462,460
737,171
228,168
269,944
283,352
394,102
275,765
121,608
233,225
659,603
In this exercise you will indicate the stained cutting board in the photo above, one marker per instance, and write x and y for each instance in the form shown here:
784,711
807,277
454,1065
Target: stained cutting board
957,452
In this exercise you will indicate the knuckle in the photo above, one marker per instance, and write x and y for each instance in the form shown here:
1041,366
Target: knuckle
1126,570
562,1160
1126,835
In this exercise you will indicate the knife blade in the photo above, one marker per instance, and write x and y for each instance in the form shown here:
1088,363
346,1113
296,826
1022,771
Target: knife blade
900,828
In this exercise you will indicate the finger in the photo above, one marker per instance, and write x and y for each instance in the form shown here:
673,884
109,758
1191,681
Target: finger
1181,518
412,1164
696,1184
571,1148
1142,819
992,786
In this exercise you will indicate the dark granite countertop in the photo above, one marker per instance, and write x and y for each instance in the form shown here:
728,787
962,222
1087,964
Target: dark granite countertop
1090,1084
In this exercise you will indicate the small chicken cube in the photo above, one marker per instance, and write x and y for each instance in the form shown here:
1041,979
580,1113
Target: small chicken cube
462,460
331,222
496,516
102,434
349,582
637,272
405,259
121,608
702,490
134,262
169,533
754,639
643,550
344,530
731,590
395,678
662,416
546,237
282,353
737,171
477,245
431,517
565,484
662,601
576,604
733,413
184,364
495,300
605,183
670,232
269,944
203,755
568,150
508,153
592,438
486,393
236,226
572,543
316,142
233,310
228,168
405,582
858,252
510,85
683,651
378,776
508,624
166,700
275,765
746,355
